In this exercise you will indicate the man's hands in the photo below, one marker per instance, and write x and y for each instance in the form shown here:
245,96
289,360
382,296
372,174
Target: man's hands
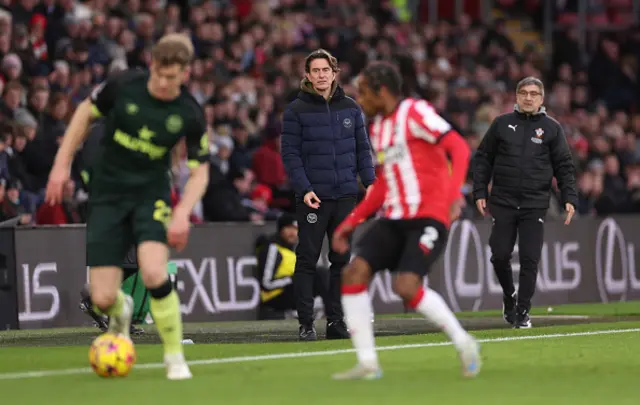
570,211
481,204
312,200
340,240
57,179
178,230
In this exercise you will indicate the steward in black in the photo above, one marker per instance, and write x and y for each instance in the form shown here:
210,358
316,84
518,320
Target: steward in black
523,152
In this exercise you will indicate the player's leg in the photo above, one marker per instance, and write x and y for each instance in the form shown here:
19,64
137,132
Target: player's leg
107,242
502,239
531,231
133,286
108,299
153,256
425,242
101,321
379,249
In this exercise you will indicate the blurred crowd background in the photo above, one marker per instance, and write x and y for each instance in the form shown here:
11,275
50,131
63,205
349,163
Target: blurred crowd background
249,65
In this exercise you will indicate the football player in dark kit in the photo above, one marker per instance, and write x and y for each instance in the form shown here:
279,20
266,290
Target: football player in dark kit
520,154
146,115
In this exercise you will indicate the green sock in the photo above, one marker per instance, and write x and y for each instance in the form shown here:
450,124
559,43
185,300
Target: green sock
115,309
166,315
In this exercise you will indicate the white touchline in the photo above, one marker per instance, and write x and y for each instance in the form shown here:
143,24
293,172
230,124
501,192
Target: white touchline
279,356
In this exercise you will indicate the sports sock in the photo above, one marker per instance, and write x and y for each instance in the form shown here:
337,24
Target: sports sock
165,309
357,309
430,304
115,309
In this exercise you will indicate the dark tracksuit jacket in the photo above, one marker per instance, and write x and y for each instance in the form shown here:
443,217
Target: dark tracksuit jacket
325,146
521,153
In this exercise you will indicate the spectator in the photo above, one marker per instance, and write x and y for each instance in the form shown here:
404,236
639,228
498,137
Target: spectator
242,148
10,206
225,201
261,199
4,156
267,163
221,161
252,53
11,98
180,176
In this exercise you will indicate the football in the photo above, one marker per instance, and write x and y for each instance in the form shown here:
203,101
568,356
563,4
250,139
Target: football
112,355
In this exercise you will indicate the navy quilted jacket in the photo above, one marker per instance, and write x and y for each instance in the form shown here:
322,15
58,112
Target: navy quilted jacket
325,145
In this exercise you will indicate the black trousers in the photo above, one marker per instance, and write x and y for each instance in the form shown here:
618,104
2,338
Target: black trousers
528,225
313,225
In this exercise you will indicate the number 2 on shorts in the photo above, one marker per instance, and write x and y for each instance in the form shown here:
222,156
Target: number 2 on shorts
429,238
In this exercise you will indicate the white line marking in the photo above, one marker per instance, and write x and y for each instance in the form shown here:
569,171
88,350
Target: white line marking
279,356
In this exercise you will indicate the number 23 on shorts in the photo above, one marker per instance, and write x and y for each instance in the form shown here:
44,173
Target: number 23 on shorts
162,213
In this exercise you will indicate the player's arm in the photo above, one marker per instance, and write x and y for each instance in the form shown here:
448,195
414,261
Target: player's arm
459,153
482,167
198,161
369,205
75,134
364,158
99,103
426,124
563,167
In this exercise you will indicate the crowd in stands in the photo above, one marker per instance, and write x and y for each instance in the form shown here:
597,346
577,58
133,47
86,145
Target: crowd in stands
249,65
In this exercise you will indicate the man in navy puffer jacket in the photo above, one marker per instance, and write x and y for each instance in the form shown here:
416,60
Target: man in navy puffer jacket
325,146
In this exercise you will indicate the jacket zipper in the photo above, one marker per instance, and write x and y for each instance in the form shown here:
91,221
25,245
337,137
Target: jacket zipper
522,150
333,148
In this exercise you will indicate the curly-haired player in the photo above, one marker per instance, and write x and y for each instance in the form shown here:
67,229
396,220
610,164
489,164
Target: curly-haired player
420,196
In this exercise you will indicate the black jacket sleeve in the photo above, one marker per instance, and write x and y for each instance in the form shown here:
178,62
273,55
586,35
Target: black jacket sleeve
483,162
291,150
363,151
563,168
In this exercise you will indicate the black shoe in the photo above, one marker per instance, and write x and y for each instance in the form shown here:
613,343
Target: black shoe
134,330
522,320
307,333
509,308
337,330
101,322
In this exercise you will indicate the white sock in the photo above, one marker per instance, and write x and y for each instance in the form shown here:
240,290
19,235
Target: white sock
357,313
435,309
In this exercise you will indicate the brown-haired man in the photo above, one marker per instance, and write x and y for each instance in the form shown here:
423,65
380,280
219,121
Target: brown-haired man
325,146
146,114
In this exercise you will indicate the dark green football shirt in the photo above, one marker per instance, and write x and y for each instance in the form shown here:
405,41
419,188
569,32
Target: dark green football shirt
140,132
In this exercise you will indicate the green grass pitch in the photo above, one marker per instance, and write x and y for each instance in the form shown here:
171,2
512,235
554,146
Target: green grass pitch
587,363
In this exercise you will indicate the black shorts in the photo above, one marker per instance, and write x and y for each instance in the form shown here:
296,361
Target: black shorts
411,245
112,228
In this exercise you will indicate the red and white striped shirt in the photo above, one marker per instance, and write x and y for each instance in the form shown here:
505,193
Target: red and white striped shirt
414,180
